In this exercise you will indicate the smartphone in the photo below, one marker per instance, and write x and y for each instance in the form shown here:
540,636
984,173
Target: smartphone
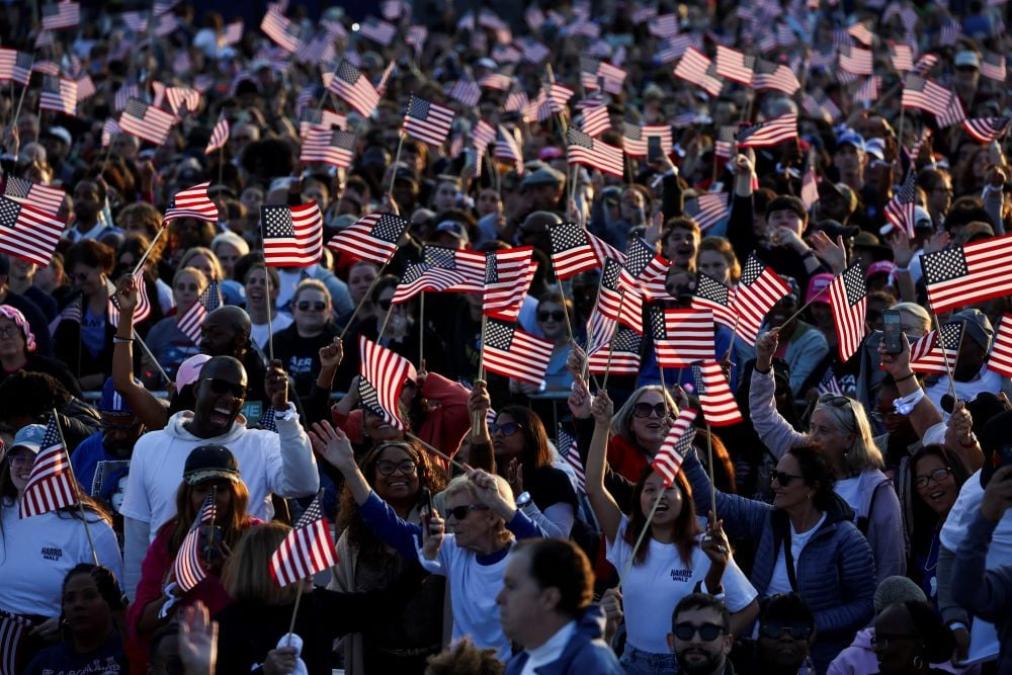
893,331
655,153
427,507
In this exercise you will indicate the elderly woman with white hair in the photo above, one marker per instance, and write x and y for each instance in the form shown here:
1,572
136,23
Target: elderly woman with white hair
840,430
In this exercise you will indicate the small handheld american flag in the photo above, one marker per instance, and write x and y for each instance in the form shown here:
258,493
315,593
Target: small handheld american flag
51,485
1000,360
308,548
188,567
668,460
848,298
192,202
373,237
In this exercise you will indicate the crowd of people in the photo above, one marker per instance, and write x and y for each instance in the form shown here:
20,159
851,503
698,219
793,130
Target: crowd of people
853,514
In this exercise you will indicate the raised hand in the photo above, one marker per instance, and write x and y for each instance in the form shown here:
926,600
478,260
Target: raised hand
832,253
331,355
580,398
333,445
765,348
127,295
602,409
897,365
276,385
198,640
433,531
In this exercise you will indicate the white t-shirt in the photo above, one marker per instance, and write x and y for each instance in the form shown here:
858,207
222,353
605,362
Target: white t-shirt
259,332
849,490
36,553
652,589
781,582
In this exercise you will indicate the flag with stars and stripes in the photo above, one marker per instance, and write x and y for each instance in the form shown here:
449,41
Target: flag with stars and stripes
829,384
715,297
1000,358
759,288
596,120
619,356
964,275
467,92
468,267
182,98
992,66
644,269
354,88
219,136
191,321
13,629
571,250
667,463
855,60
986,129
61,15
426,121
714,393
482,135
594,71
769,133
635,138
321,118
192,202
809,183
188,567
695,68
900,211
776,76
284,32
51,484
512,352
143,309
682,336
708,209
386,372
58,94
293,235
378,31
902,57
15,65
146,122
594,153
848,299
734,65
42,197
930,353
507,147
424,277
923,94
373,237
565,443
508,276
619,300
496,81
28,233
330,146
306,550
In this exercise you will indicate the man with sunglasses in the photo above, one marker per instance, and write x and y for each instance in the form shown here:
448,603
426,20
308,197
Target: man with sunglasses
701,636
271,463
786,633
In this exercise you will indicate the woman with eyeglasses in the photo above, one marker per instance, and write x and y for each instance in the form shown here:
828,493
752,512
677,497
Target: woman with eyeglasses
673,560
18,351
167,342
839,429
298,346
482,519
402,475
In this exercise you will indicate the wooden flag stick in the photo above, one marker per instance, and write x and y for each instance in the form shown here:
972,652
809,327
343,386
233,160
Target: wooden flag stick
805,306
144,258
147,350
270,306
77,490
361,302
713,485
421,330
438,453
945,354
386,320
295,610
642,535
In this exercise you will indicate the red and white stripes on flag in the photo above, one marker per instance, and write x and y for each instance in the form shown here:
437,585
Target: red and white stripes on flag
809,184
109,129
926,95
930,354
146,122
219,136
986,129
901,56
860,32
682,336
190,322
192,202
734,65
58,94
619,300
306,550
281,30
715,398
15,65
708,209
482,135
900,211
596,120
507,147
330,146
425,277
378,31
759,288
619,356
867,93
182,98
511,352
354,88
636,138
695,68
565,443
386,372
855,60
508,276
496,81
992,66
466,92
594,70
770,132
426,121
188,567
571,250
594,153
677,444
12,630
42,197
320,118
143,309
373,237
51,485
644,269
27,233
553,100
61,15
713,296
293,235
964,275
848,299
1000,359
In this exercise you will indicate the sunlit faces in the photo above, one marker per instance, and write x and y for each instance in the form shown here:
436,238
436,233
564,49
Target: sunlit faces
934,483
714,264
187,286
789,488
670,505
396,477
650,429
360,279
552,319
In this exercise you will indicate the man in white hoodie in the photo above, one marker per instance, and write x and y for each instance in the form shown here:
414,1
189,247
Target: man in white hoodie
156,467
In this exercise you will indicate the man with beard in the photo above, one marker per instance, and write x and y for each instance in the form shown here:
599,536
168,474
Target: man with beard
279,463
701,636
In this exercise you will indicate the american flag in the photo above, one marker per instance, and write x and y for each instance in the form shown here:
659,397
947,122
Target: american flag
677,444
61,15
635,138
306,550
867,93
695,68
183,98
508,276
143,309
331,146
986,129
992,66
533,51
58,94
424,277
109,129
385,372
85,87
466,91
758,290
554,99
809,183
723,147
281,30
734,65
926,95
508,147
322,118
46,68
592,70
822,108
28,233
124,94
145,121
352,86
565,443
769,133
848,299
605,251
582,149
378,31
600,330
861,33
664,26
496,81
41,197
900,211
619,300
715,397
293,235
1000,359
674,48
964,275
51,485
644,270
188,567
467,266
619,356
930,355
192,203
596,120
426,121
511,352
191,322
482,134
682,336
15,65
571,250
829,384
12,628
515,101
708,209
164,6
373,237
713,296
902,57
219,136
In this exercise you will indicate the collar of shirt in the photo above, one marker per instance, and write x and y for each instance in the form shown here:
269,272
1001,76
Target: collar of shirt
552,649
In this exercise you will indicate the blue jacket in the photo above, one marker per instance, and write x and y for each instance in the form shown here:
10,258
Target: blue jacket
835,571
585,653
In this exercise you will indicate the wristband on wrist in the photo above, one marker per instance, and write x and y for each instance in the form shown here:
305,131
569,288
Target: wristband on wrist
117,340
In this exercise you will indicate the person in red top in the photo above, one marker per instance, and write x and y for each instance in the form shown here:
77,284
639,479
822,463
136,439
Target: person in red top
158,597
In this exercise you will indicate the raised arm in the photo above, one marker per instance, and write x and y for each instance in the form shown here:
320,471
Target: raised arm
608,513
924,414
743,518
774,431
295,473
142,402
986,593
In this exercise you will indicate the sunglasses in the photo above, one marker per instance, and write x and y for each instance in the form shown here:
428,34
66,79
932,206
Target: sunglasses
386,468
385,303
460,512
646,409
938,475
798,631
783,477
507,429
707,631
551,316
305,306
222,387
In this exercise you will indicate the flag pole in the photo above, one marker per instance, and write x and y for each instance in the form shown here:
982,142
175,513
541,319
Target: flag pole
295,610
147,350
397,159
803,307
476,418
713,485
361,302
438,453
386,320
221,161
642,534
945,354
421,329
607,366
565,310
150,248
77,489
17,112
270,306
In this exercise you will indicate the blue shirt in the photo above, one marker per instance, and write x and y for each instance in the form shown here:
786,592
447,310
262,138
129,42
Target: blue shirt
100,473
93,331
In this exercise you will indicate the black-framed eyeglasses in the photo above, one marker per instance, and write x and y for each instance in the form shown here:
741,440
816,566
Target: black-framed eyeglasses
648,409
305,306
783,477
776,630
460,512
385,303
707,631
937,476
551,316
222,387
506,429
387,468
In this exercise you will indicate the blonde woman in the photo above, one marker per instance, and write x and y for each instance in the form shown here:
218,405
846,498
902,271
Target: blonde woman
167,342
